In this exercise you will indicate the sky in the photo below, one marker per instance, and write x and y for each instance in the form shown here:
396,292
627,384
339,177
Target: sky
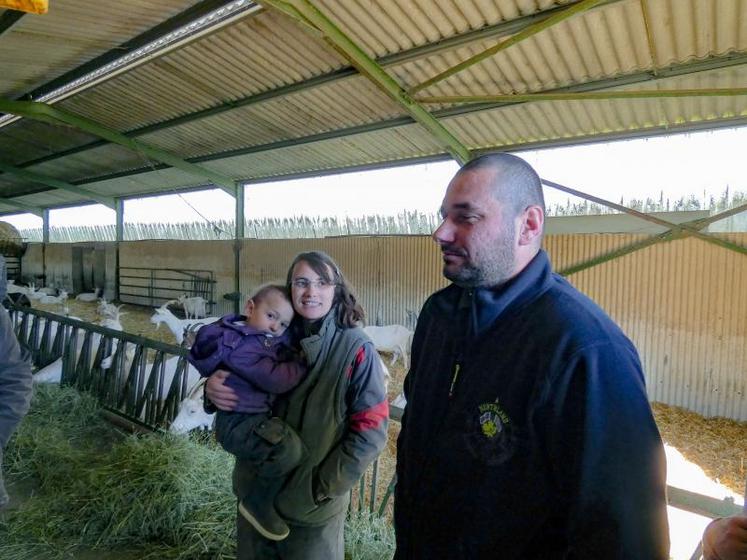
700,163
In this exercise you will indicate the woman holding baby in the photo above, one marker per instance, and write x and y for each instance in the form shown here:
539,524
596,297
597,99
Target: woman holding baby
338,410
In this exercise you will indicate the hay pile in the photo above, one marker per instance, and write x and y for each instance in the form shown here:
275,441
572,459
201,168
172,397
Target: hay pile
717,445
11,242
99,489
155,496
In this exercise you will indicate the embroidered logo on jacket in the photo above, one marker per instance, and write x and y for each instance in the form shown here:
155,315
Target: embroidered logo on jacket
493,419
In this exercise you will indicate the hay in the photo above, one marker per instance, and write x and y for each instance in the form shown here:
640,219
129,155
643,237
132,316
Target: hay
99,489
717,445
11,242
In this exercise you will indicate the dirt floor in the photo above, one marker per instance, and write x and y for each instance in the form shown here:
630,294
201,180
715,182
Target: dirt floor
717,445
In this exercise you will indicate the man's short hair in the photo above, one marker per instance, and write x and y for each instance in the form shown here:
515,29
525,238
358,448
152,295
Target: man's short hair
516,182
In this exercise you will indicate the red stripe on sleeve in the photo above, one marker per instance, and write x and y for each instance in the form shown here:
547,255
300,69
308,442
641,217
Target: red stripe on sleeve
371,418
358,360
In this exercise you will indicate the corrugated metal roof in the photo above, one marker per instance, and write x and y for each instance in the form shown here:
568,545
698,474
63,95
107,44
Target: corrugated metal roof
39,48
262,97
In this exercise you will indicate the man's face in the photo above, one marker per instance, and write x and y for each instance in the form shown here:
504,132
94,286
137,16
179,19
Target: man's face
477,240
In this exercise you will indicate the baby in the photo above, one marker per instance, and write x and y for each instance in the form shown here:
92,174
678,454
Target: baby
255,349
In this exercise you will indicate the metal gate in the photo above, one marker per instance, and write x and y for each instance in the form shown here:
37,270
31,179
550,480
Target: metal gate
155,286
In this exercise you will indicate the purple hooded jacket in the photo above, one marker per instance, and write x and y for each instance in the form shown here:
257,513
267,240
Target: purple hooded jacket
259,371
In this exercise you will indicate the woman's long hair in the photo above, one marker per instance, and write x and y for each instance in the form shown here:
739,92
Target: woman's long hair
349,311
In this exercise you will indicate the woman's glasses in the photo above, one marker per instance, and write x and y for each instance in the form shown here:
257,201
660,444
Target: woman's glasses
304,283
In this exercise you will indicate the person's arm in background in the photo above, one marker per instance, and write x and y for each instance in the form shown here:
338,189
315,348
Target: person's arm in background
726,539
365,437
15,387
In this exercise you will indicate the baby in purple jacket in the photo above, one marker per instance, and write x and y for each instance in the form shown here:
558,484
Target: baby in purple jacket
255,348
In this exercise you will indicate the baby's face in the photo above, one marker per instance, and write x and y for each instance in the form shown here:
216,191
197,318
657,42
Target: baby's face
272,314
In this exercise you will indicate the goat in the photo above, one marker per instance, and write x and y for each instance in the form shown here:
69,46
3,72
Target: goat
48,291
33,293
89,296
109,310
192,414
48,300
194,307
391,338
176,325
13,288
52,373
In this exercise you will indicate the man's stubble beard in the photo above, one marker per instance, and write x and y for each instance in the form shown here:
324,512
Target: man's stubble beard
493,271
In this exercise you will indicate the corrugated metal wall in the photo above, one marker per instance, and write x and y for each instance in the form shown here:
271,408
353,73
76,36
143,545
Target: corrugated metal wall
683,303
390,274
199,255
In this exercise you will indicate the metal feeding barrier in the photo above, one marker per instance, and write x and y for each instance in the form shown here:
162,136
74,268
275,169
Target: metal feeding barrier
141,380
130,388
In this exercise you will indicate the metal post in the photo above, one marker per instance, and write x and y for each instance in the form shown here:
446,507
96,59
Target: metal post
45,240
119,237
238,240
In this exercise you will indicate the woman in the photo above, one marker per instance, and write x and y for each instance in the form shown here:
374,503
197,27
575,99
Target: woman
339,410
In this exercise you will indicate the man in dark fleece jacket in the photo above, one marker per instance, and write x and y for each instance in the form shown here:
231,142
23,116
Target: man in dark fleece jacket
527,432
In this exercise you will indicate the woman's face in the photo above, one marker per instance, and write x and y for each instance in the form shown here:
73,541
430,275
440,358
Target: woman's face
312,296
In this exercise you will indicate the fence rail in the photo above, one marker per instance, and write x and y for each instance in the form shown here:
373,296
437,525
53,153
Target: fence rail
141,379
154,286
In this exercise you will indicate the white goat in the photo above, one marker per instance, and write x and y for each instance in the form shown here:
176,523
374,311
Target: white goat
48,291
48,300
89,296
52,373
176,325
194,307
109,310
192,414
33,293
391,338
11,288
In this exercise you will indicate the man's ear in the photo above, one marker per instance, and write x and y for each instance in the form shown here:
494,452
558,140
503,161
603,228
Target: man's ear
532,225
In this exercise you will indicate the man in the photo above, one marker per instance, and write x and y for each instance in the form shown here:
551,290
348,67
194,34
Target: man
15,388
527,433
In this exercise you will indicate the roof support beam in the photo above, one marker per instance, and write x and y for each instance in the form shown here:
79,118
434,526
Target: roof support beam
584,96
675,230
649,35
310,17
629,79
47,113
8,19
36,210
56,183
571,11
494,31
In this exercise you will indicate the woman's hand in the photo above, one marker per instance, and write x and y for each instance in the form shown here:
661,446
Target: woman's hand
223,397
